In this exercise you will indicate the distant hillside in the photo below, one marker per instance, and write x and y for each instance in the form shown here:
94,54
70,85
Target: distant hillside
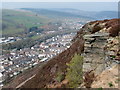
17,21
107,14
91,14
56,13
76,12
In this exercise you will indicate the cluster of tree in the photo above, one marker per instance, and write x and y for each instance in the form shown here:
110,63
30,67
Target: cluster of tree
19,44
35,29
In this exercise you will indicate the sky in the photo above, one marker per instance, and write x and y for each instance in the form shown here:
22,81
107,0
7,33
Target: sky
92,5
60,0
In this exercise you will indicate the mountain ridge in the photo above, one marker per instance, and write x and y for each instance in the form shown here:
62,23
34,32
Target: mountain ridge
78,13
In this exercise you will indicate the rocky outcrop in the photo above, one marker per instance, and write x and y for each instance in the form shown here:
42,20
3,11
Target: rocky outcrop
101,48
100,51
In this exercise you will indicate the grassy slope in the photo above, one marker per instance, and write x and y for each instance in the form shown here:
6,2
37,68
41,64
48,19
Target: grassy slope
16,21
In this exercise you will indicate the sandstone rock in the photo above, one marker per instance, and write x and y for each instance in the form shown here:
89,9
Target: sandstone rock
106,77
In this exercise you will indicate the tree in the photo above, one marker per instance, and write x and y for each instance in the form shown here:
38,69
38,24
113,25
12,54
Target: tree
74,71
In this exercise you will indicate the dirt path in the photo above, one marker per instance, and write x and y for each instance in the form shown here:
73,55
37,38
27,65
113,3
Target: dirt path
24,77
25,81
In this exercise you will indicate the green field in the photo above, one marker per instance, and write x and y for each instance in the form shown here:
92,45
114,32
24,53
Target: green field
16,21
36,37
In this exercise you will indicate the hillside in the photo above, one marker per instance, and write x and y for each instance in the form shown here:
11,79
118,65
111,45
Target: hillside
97,44
18,21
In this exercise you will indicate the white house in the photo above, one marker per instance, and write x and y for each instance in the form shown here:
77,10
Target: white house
1,79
